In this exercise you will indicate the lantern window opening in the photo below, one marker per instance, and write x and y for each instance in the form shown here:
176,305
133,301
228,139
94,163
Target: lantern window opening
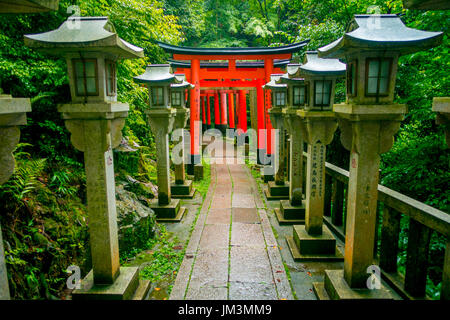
280,98
86,77
322,93
352,82
378,71
111,76
176,98
299,93
157,96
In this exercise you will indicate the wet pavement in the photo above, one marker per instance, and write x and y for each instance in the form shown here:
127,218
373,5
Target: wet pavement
232,253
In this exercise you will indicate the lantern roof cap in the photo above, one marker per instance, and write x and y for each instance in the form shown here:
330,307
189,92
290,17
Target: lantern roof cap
289,79
380,33
319,66
273,83
28,6
157,74
183,84
92,34
292,68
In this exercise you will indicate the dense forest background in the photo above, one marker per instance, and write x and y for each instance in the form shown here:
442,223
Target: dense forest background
44,221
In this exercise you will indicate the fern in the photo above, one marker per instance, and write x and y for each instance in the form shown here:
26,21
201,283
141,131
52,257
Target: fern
25,177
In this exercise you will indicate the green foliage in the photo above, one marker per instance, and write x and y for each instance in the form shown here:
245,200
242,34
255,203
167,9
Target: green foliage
162,260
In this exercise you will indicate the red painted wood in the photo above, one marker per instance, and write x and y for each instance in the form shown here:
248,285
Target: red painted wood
223,109
195,108
208,108
268,67
261,115
243,110
231,110
216,108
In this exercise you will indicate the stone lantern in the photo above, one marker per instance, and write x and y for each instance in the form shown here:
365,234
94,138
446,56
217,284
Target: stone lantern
27,6
95,120
292,211
182,188
278,189
368,120
318,124
12,115
161,118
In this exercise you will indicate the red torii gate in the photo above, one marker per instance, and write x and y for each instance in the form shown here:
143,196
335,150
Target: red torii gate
244,69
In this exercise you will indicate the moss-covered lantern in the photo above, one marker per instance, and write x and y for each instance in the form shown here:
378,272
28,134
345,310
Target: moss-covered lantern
278,91
296,86
371,49
158,79
91,49
178,97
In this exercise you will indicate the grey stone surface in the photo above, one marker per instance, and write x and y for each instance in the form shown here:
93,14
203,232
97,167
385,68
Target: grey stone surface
219,216
250,264
245,215
243,201
215,236
252,291
247,235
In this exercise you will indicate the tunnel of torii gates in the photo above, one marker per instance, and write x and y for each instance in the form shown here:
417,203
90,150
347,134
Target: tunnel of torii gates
227,75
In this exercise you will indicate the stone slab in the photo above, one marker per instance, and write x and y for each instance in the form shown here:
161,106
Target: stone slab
245,215
207,293
210,269
142,290
177,218
283,221
338,289
169,211
219,216
243,201
215,236
337,256
252,291
318,244
250,264
247,235
182,191
123,288
319,291
276,190
291,212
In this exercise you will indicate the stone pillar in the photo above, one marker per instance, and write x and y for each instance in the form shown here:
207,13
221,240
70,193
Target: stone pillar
278,189
367,131
161,122
313,241
95,130
292,211
12,115
182,188
318,128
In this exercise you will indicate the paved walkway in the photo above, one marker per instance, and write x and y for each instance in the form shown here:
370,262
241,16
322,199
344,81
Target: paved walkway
232,253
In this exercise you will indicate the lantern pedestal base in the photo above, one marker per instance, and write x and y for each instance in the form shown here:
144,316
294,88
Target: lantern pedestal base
304,246
289,214
126,287
335,287
267,174
277,192
182,191
173,212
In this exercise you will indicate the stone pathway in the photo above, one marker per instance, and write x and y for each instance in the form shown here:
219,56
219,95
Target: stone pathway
232,253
